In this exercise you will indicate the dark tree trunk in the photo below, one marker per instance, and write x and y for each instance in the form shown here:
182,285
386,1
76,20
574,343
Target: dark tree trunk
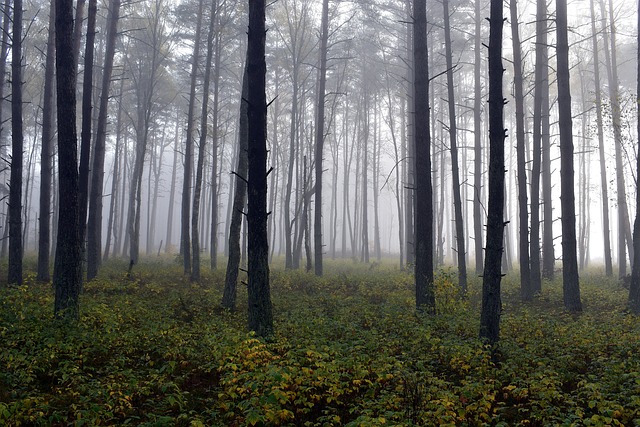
259,303
425,293
214,157
634,287
94,227
604,184
77,31
87,107
239,201
478,219
4,54
197,192
570,283
491,301
185,243
172,191
526,291
67,272
17,144
455,172
365,178
409,185
46,156
320,134
548,250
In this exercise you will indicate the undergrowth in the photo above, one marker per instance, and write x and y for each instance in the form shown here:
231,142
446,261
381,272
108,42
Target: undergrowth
154,349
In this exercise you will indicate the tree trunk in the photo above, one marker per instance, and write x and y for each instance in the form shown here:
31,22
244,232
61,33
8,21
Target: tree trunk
604,184
94,228
260,310
478,218
17,144
185,244
365,178
409,185
320,134
548,251
423,215
4,54
172,192
455,172
46,155
195,239
214,157
570,283
491,301
67,273
634,287
526,291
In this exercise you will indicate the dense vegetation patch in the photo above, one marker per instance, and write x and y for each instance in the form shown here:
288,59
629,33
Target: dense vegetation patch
349,349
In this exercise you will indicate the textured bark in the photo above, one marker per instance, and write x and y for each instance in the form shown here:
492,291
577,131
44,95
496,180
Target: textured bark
214,158
319,137
17,145
478,219
197,192
67,272
570,281
491,300
94,227
185,244
365,177
4,54
172,192
409,185
46,156
423,214
604,184
526,291
259,302
455,171
239,201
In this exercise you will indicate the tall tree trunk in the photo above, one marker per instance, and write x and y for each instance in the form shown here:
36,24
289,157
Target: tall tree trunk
46,154
239,202
455,172
288,222
526,291
17,144
423,215
365,178
67,272
320,134
260,311
185,244
491,301
410,201
634,287
478,220
172,192
77,31
214,157
548,250
570,281
94,228
87,108
624,229
604,184
195,239
4,54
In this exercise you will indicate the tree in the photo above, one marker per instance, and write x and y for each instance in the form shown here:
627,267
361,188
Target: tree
15,189
94,228
423,215
491,301
570,284
526,291
455,171
44,240
634,287
188,150
320,134
477,143
67,272
260,310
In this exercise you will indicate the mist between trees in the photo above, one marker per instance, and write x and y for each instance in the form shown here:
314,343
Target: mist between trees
370,137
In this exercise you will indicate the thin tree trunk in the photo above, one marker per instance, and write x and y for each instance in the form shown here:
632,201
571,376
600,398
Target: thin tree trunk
46,156
94,231
410,232
570,282
172,192
634,287
214,150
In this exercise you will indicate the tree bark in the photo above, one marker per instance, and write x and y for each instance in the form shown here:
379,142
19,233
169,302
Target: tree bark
259,303
94,228
634,287
570,281
46,154
172,191
491,301
17,145
214,158
423,215
478,219
455,171
526,291
67,273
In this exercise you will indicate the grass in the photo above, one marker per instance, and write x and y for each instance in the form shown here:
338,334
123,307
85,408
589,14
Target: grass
349,349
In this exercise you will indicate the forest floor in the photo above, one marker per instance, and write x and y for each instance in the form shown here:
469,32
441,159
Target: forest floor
349,349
